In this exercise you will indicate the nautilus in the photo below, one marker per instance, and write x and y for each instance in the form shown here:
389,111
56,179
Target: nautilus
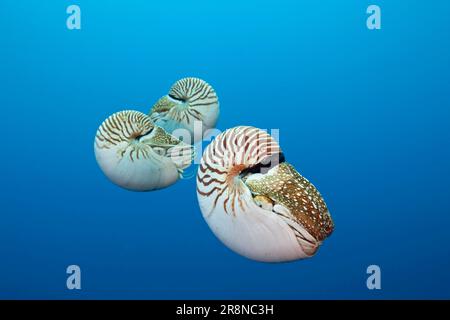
255,202
138,155
189,100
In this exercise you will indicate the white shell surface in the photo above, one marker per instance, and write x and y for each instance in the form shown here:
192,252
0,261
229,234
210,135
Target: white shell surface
252,232
189,101
137,155
274,234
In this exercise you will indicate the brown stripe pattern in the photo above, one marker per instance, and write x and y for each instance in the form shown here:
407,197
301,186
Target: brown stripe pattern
225,158
194,93
125,127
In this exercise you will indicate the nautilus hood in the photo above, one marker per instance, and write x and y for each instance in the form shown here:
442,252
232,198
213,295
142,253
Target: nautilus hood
295,197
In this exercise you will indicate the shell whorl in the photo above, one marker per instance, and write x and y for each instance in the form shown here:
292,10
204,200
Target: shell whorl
226,157
195,91
188,100
136,154
124,128
256,203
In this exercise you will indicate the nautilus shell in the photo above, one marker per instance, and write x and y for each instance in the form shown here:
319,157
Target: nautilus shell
138,155
256,203
189,100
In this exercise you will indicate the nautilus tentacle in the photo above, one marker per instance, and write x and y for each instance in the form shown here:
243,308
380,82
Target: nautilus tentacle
136,154
256,203
190,100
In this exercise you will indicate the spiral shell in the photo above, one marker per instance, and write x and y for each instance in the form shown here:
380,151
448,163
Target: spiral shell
257,204
137,155
189,100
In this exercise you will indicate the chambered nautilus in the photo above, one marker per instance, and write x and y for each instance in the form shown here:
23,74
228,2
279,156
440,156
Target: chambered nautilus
255,202
138,155
189,100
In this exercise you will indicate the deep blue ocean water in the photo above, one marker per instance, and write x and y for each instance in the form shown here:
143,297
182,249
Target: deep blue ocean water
365,115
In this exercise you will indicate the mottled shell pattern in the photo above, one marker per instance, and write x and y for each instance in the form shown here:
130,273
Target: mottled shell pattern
189,100
257,204
138,155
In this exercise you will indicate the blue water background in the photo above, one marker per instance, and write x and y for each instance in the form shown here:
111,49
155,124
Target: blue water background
365,115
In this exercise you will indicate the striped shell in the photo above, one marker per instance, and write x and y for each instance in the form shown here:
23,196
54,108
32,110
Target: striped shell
255,202
137,155
190,100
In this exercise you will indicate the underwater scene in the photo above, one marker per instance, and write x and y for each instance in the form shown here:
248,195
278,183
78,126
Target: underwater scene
225,149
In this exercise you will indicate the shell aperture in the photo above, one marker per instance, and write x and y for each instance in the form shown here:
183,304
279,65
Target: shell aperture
138,155
257,204
189,100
